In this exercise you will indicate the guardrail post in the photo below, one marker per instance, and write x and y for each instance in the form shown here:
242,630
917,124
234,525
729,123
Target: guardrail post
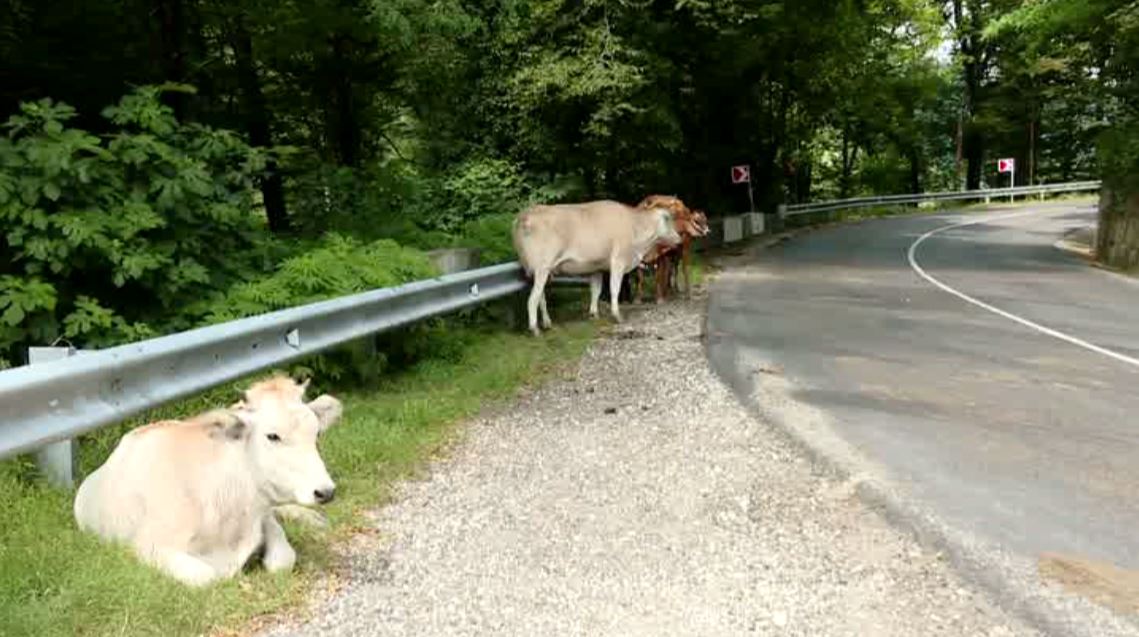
778,221
57,460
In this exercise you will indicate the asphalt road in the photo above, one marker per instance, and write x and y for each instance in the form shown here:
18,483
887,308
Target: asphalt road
1001,388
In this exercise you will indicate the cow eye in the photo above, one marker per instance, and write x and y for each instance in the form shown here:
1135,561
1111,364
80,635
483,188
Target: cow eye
273,438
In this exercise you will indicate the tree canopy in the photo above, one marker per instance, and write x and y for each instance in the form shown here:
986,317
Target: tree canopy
163,150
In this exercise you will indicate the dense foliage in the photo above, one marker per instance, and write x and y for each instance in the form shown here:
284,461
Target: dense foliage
1087,52
431,122
106,236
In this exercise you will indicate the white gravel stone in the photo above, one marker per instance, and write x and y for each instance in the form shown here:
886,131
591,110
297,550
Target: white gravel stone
679,514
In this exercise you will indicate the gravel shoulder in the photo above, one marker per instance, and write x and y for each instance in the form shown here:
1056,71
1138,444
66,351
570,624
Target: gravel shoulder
634,495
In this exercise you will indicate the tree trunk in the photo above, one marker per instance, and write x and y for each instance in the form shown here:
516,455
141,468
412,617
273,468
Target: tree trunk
1117,235
172,52
915,170
1032,151
849,156
345,129
969,30
974,159
803,182
257,123
959,138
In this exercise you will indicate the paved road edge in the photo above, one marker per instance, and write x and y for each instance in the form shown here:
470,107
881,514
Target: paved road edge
1012,582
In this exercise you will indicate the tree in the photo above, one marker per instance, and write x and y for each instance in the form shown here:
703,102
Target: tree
1094,46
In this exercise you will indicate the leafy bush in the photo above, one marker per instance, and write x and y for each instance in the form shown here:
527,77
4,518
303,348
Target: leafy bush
472,204
492,235
474,189
105,236
367,202
337,266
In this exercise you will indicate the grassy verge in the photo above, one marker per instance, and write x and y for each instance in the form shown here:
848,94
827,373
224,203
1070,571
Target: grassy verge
55,580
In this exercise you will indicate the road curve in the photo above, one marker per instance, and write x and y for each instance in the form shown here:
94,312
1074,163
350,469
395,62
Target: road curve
991,375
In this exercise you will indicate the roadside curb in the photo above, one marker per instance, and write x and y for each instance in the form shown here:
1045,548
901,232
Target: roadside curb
1079,241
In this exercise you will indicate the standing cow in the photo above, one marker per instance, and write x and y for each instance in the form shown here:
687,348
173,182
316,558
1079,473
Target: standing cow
586,238
195,498
666,259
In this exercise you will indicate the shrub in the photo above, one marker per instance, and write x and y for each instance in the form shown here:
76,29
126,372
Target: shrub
492,234
103,236
472,190
336,266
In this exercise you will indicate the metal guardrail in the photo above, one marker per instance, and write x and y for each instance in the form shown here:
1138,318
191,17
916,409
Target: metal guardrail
57,400
54,401
987,194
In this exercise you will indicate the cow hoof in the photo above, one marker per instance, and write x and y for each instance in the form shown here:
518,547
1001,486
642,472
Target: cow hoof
280,558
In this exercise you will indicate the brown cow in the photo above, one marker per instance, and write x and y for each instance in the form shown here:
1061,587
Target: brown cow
667,259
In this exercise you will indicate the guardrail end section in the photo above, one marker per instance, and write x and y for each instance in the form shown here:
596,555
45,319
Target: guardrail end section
56,461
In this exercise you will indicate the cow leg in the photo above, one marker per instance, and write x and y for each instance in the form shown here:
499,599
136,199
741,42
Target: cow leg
594,293
537,294
279,555
615,277
184,567
686,265
664,267
546,322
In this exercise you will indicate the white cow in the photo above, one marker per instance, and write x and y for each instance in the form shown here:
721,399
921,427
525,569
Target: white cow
195,498
587,238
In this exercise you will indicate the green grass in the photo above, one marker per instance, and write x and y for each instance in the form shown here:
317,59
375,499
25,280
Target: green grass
55,580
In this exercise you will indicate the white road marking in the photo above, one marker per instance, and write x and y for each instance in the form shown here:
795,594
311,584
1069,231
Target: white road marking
911,255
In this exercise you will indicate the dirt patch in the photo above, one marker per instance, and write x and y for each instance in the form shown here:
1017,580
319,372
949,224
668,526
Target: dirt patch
1101,582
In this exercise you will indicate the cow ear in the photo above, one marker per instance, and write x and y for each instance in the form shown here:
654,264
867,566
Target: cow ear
327,410
232,424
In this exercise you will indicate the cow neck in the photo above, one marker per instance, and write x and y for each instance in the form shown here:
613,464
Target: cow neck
644,236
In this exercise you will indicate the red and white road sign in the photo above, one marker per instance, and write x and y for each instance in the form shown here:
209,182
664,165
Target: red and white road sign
741,174
1006,165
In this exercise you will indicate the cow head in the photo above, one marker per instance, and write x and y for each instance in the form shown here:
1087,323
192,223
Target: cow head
281,430
665,231
688,222
698,224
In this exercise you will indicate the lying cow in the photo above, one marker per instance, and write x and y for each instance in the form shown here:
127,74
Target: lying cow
195,498
586,238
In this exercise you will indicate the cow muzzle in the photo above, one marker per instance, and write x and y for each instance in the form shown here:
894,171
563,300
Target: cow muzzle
324,495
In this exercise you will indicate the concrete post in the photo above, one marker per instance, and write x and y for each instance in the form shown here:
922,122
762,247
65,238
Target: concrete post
733,228
57,460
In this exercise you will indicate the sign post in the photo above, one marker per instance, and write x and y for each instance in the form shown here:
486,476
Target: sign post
1008,166
742,175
